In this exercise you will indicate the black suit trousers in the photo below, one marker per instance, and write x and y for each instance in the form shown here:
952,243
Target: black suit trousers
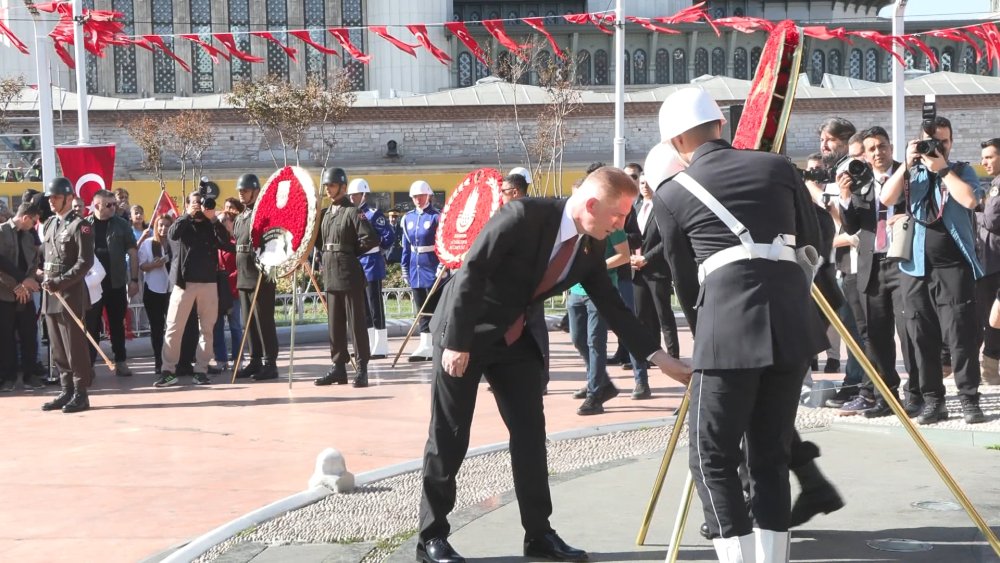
374,306
653,308
115,302
514,373
884,305
346,311
263,339
986,294
727,405
17,326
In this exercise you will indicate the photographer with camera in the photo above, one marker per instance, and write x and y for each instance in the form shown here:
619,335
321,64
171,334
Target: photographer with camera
988,250
879,281
940,274
195,239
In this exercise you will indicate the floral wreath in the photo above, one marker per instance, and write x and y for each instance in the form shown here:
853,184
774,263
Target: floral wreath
470,206
283,223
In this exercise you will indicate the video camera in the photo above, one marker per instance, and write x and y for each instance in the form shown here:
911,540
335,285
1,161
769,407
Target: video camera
209,192
859,171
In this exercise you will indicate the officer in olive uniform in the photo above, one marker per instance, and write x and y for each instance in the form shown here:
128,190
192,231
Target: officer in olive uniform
344,235
420,262
69,255
263,337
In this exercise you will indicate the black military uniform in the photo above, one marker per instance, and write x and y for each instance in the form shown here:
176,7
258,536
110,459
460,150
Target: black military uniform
263,337
344,235
68,255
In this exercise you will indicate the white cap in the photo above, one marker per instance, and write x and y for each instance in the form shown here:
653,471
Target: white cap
686,109
420,187
662,162
522,171
358,186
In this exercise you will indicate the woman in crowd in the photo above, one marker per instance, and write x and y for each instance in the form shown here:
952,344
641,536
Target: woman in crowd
154,261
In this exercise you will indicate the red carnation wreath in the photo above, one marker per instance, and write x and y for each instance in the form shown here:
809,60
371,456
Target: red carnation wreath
283,223
768,106
470,206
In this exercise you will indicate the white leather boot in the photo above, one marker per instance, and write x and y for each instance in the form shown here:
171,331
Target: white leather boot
771,546
424,351
737,549
380,344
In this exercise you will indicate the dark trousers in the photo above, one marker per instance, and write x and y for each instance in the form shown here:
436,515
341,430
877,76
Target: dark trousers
17,321
885,305
419,297
941,308
69,350
346,311
627,292
727,405
374,306
986,294
114,301
535,323
652,306
513,372
263,339
156,312
849,313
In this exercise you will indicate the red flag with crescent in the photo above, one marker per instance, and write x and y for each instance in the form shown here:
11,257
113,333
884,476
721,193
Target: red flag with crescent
539,26
290,51
462,32
470,206
306,38
420,32
344,38
165,206
210,49
284,221
383,32
88,167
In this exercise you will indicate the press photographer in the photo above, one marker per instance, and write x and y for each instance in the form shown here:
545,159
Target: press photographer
195,240
940,274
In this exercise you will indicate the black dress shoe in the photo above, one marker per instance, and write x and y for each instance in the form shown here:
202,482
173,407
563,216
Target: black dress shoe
608,392
337,375
706,532
641,391
267,371
880,409
832,366
581,393
550,546
437,551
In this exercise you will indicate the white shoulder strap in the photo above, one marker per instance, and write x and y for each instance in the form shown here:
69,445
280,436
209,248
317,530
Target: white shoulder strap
699,191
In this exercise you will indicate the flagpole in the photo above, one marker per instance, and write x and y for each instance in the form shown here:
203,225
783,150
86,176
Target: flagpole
80,54
46,131
619,148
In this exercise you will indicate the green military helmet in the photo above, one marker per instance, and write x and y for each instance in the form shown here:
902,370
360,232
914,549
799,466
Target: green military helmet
248,182
59,186
334,176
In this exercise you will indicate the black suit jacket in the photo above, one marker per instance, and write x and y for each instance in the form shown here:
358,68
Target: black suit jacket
502,270
859,219
754,313
656,268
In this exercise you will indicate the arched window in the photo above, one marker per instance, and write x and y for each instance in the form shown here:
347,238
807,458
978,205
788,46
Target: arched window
738,13
754,60
353,16
91,58
927,60
239,25
627,68
833,65
968,61
482,69
475,17
202,67
583,72
680,67
718,62
854,69
700,62
601,67
640,73
817,67
315,19
947,58
983,67
164,73
871,65
551,18
125,80
277,19
542,65
908,61
464,69
662,66
740,63
515,19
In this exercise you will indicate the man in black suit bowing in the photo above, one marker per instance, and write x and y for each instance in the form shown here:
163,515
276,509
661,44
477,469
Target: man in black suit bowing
756,327
530,250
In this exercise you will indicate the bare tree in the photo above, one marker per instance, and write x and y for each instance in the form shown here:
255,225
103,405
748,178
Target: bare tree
515,69
148,133
10,89
286,111
188,135
556,75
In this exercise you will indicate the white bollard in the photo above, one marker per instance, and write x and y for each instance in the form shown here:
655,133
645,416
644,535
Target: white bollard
331,472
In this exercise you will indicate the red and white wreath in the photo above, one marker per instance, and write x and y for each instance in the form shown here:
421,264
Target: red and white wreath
284,221
470,206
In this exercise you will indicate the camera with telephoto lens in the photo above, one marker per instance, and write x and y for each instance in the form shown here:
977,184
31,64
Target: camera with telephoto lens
859,171
929,147
819,175
209,192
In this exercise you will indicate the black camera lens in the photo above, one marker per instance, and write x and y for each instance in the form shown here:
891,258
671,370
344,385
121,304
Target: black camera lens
856,168
928,146
208,203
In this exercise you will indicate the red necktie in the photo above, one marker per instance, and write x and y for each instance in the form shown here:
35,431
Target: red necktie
881,242
552,273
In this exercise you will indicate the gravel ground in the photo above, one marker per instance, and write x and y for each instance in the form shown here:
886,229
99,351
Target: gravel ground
386,511
989,402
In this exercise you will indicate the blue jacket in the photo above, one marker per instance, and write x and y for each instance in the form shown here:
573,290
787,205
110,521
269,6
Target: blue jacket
957,219
373,261
418,259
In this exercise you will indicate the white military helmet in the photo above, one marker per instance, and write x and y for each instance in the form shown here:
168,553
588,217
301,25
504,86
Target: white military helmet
522,171
358,186
420,187
686,109
662,162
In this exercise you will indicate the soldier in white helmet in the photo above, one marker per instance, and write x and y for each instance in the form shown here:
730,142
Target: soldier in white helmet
420,263
373,263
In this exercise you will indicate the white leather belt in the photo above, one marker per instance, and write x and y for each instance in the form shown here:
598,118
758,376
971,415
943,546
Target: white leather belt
421,249
373,251
776,251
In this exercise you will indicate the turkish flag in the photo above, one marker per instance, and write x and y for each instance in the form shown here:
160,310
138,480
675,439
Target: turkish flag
88,167
164,206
